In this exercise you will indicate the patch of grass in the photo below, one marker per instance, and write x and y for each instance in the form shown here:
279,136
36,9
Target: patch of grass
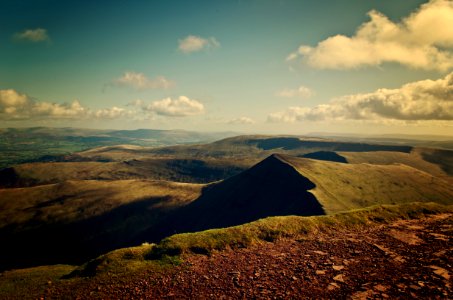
118,261
273,228
22,284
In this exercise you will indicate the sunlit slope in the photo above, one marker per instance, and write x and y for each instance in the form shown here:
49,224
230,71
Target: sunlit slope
433,161
341,187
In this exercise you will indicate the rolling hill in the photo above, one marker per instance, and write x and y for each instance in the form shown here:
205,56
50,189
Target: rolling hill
73,221
211,162
178,170
342,187
18,145
246,146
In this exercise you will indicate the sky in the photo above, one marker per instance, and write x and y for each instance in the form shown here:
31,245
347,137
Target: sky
258,66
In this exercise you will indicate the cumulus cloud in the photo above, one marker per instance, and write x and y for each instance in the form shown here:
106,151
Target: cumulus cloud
423,40
426,100
180,107
290,115
111,113
18,106
32,35
140,81
241,121
301,92
12,98
194,43
72,110
15,105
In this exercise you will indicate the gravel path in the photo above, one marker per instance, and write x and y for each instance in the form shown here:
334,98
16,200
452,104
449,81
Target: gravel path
406,259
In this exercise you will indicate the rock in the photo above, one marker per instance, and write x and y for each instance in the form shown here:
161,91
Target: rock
441,272
339,278
380,288
337,268
320,272
333,286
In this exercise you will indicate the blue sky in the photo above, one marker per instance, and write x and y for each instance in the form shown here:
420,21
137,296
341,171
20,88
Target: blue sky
250,66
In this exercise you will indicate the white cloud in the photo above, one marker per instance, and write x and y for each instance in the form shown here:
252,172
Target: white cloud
426,100
180,107
301,92
11,98
141,82
111,113
33,35
194,43
290,115
423,40
18,106
241,121
73,110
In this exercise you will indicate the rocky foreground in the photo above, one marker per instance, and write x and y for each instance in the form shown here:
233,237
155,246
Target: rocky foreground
405,259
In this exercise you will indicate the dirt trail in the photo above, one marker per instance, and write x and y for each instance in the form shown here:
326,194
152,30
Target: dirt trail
406,259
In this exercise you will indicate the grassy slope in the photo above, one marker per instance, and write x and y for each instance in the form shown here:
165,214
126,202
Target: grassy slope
273,228
413,159
342,187
76,200
76,220
179,170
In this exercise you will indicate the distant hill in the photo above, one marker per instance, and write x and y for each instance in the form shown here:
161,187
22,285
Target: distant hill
19,145
254,146
199,163
415,140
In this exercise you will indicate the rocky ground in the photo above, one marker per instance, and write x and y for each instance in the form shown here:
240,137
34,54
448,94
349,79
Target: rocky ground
406,259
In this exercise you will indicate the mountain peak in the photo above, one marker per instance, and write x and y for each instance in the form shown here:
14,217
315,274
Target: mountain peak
270,188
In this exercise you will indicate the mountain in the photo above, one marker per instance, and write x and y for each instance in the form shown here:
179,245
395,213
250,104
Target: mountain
286,185
270,188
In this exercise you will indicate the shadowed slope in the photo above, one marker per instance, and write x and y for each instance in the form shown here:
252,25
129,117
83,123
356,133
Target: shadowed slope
270,188
77,220
326,155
